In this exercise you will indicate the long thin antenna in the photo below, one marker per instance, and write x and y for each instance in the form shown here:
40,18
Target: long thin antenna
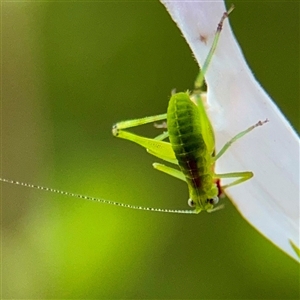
38,187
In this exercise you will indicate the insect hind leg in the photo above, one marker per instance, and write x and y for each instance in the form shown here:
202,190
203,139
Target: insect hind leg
200,78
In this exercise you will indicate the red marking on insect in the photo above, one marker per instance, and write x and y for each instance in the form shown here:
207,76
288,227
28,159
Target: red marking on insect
221,193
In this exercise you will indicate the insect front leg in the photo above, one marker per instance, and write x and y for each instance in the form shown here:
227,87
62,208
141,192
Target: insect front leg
242,176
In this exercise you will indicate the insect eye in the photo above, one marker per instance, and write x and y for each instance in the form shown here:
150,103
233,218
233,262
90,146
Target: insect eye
191,203
213,200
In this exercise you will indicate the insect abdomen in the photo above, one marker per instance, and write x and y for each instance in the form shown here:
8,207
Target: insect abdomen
185,135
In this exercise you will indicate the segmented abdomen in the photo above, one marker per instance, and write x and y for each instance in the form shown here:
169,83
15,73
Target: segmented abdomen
184,129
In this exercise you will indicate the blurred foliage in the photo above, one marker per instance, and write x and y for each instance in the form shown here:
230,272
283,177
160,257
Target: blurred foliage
72,69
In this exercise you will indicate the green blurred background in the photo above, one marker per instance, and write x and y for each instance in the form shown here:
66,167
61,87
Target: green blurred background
72,69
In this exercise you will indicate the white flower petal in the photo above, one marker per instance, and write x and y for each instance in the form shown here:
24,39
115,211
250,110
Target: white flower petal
270,200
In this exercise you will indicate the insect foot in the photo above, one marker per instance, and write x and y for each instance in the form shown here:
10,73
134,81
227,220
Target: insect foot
115,130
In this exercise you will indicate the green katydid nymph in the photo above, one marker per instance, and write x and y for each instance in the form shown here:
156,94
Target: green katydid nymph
191,146
191,143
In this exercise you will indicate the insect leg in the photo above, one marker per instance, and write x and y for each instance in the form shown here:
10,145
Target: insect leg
295,248
162,136
200,78
155,147
235,138
170,171
137,122
243,176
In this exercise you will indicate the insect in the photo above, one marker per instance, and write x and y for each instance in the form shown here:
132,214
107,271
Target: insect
191,146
